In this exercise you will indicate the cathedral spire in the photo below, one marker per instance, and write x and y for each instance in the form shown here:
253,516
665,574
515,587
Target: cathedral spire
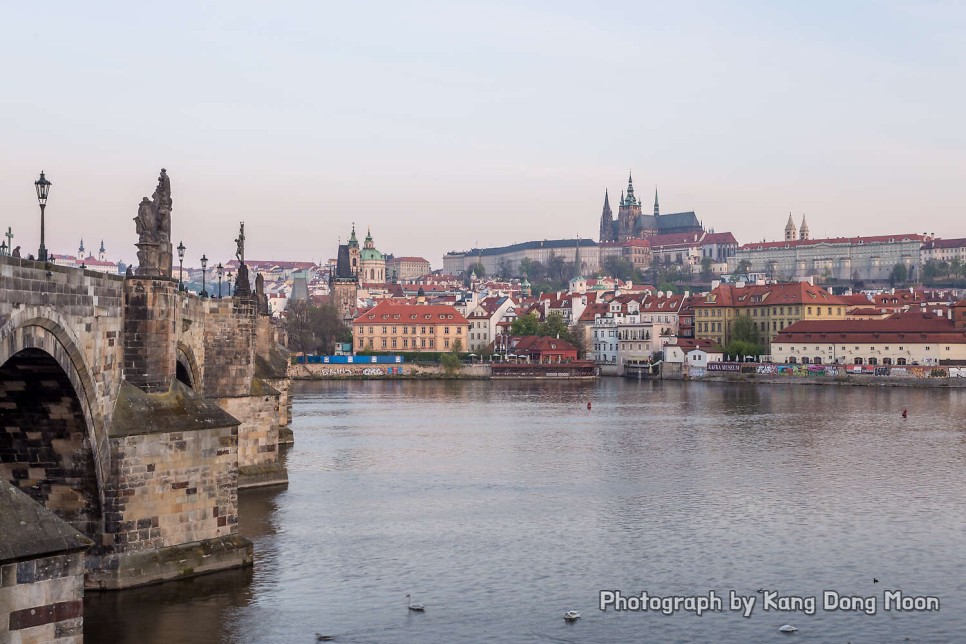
803,230
657,209
631,201
606,221
577,262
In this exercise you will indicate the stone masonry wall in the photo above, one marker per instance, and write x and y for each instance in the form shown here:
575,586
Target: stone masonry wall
172,488
42,600
151,308
229,349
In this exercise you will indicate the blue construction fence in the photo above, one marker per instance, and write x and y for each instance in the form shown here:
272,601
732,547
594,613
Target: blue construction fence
310,359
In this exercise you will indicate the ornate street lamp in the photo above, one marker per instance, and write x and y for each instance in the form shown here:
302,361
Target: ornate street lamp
221,271
204,269
230,275
181,250
43,189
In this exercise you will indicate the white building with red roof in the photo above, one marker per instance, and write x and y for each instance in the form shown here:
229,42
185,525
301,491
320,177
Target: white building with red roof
910,338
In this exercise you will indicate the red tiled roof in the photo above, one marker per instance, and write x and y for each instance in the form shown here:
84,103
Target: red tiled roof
386,310
408,259
719,238
879,239
769,295
945,243
676,239
912,327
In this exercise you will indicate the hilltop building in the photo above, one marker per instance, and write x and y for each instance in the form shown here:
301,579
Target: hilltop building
632,223
799,256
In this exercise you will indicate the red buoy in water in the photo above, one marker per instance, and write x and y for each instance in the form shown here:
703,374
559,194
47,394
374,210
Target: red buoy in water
905,413
588,405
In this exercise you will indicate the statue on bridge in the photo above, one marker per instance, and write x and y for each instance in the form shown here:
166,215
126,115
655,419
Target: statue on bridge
243,287
154,231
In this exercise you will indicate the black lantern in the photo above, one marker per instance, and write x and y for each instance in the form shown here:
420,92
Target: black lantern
204,269
229,276
43,189
221,271
181,250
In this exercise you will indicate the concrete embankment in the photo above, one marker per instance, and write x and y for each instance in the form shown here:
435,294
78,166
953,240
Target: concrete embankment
404,371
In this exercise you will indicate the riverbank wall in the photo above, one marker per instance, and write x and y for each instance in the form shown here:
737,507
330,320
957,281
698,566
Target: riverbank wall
840,375
403,371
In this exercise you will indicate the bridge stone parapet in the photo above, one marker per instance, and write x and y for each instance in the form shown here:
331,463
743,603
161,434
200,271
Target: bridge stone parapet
132,410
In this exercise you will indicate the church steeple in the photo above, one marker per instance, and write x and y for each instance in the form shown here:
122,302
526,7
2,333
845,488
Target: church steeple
657,209
606,221
630,200
791,233
803,231
353,240
577,261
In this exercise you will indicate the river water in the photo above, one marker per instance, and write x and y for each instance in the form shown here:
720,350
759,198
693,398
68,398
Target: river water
502,505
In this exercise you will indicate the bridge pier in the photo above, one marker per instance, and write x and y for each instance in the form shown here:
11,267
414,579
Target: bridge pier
135,413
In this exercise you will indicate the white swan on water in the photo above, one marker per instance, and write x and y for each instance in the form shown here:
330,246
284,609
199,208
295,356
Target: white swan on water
417,607
787,628
571,615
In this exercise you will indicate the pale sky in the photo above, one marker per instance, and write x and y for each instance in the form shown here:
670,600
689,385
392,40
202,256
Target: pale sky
443,125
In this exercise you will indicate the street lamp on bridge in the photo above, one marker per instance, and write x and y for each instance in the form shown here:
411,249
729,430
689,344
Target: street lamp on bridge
43,189
221,271
204,269
230,275
181,250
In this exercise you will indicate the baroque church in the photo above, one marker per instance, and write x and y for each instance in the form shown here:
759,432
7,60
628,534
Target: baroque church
355,268
631,223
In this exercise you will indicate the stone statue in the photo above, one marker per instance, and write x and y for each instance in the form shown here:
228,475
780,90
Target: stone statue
260,294
16,252
147,222
154,231
240,244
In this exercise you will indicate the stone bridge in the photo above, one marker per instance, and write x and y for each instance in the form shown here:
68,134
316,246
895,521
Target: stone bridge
135,411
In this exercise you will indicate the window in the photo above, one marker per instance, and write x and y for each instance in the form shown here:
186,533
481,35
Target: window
432,343
446,343
900,361
858,361
384,343
805,359
887,361
394,343
817,360
422,343
873,361
394,330
792,360
370,330
405,343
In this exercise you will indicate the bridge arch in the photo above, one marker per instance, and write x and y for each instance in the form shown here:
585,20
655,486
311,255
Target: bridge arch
187,369
53,437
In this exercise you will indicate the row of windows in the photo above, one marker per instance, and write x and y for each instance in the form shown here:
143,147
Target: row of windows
406,344
871,361
405,330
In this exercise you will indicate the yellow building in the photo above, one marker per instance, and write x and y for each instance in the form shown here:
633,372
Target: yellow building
390,326
771,307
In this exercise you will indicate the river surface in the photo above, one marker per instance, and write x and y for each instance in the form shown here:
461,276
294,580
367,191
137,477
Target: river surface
502,505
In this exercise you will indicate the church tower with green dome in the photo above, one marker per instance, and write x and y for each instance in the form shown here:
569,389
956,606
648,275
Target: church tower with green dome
372,263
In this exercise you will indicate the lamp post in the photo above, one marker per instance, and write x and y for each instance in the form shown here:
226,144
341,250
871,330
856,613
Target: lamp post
181,250
221,271
230,274
43,188
204,269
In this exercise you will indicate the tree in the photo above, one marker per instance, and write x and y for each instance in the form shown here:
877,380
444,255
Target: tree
743,267
450,361
554,326
477,268
898,274
314,329
745,339
557,268
504,268
525,325
576,337
706,272
618,267
930,271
